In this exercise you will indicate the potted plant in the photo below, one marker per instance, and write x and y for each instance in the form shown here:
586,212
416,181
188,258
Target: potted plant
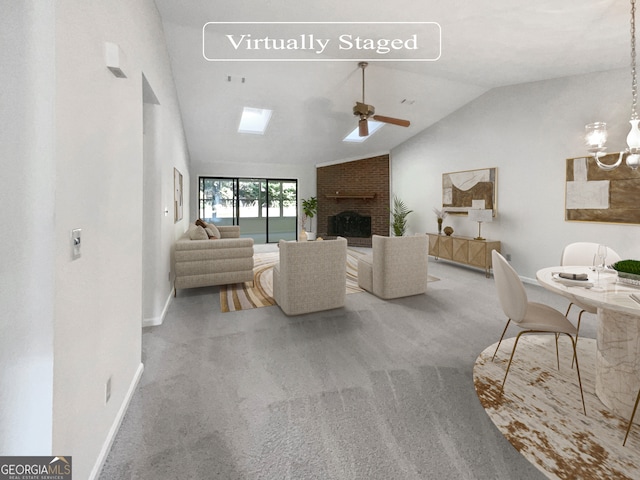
309,210
628,271
399,215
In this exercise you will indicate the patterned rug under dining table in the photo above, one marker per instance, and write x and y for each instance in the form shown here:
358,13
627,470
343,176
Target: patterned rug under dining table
540,411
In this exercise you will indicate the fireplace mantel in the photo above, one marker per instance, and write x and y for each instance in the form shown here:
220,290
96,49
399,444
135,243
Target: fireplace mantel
360,196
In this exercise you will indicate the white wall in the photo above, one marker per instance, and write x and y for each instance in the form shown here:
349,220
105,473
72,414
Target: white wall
99,160
305,174
27,194
72,155
527,131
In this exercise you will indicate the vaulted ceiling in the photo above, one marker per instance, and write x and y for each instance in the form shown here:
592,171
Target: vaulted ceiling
485,44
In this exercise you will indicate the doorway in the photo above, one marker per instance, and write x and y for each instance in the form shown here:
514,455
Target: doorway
156,283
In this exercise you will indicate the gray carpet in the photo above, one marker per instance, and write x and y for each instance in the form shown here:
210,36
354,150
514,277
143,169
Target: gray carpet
376,390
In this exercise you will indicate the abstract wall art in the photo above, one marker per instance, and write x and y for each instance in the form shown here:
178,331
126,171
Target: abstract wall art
596,195
468,189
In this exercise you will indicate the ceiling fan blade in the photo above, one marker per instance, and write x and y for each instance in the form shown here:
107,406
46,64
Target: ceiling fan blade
391,120
363,127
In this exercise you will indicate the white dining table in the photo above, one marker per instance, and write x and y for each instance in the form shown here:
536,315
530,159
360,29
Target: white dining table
618,334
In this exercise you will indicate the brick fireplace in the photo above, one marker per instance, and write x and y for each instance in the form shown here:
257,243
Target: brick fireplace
352,191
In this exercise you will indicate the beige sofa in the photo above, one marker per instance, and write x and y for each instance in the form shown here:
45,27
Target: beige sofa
397,266
202,263
311,276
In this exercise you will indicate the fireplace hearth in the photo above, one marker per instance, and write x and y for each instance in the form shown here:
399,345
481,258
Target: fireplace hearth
349,224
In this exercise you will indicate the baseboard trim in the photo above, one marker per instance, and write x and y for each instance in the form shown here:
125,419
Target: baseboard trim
106,447
155,321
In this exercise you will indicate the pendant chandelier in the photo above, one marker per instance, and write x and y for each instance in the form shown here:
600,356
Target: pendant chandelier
596,133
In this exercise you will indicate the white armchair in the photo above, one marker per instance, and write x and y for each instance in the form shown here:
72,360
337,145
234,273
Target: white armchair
311,276
397,266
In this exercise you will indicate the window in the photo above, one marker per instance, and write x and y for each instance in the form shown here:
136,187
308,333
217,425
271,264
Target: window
254,120
265,208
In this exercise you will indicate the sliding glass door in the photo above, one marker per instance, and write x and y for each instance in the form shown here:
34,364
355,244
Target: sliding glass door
265,209
218,200
282,210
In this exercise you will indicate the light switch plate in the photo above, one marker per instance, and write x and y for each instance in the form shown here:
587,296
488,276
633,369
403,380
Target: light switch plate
76,242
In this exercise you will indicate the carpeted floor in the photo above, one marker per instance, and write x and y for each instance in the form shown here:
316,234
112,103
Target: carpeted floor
540,411
377,390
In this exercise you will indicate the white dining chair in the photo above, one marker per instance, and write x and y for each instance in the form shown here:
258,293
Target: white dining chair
582,254
532,317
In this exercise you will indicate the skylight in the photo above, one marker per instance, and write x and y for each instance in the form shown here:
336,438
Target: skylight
254,120
355,137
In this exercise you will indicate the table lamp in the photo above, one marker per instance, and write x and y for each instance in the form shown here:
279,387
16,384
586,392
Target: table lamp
480,215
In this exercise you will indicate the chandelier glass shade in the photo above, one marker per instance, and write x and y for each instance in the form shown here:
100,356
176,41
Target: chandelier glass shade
596,133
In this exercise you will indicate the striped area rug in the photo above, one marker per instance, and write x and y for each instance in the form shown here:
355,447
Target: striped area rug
243,296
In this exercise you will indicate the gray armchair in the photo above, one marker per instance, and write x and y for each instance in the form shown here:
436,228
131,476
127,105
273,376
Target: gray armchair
311,276
396,268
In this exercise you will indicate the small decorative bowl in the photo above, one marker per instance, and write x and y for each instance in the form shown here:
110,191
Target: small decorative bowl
448,231
629,278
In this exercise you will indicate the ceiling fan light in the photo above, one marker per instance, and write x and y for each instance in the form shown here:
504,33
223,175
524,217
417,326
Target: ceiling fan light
363,127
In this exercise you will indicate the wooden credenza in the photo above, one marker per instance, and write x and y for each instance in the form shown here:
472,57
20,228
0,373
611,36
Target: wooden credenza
465,250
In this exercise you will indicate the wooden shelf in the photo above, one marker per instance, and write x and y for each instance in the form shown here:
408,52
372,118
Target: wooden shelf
360,196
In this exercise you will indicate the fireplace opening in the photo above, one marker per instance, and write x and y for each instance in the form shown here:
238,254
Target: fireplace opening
350,224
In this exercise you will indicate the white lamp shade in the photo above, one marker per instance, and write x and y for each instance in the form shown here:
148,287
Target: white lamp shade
481,215
596,134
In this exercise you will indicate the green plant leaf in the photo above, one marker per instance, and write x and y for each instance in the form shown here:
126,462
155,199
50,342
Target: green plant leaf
399,215
627,266
309,209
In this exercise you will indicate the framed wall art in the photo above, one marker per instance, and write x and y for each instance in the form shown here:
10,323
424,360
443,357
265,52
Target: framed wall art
462,191
596,195
177,195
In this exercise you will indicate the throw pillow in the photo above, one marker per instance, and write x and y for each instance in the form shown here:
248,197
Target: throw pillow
200,223
215,233
198,233
210,233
